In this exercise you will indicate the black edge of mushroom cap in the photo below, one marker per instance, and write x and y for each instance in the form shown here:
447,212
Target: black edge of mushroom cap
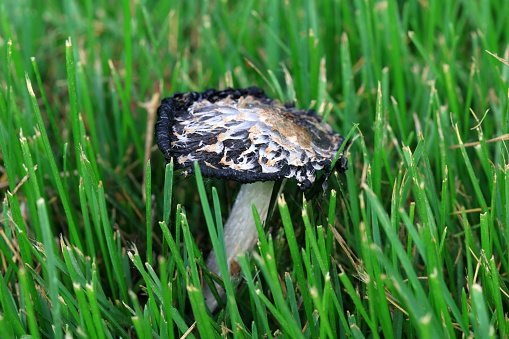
243,135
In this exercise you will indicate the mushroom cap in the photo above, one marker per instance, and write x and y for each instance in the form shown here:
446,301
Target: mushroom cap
243,135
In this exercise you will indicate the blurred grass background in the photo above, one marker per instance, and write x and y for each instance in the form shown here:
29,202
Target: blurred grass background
411,242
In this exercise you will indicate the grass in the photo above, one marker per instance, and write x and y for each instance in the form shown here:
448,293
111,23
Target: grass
99,239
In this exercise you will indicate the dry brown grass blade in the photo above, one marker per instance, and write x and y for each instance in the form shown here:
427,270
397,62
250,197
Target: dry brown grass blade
475,143
133,205
25,178
189,331
504,61
472,210
151,107
351,256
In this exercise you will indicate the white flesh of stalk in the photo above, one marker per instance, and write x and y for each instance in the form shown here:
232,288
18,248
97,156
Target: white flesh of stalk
240,234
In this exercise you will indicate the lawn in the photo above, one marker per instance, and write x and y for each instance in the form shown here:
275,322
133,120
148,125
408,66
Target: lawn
100,239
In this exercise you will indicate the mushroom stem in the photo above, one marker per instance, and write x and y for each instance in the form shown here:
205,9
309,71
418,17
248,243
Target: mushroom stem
240,234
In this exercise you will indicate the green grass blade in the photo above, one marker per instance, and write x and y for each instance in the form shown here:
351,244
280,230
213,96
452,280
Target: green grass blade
148,211
49,253
294,251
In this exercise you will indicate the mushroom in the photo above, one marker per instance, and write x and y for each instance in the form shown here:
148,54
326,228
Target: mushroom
243,135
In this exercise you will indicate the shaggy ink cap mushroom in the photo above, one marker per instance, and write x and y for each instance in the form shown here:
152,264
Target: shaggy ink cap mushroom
243,135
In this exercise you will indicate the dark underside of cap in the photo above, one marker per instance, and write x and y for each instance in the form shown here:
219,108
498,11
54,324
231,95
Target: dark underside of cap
243,135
